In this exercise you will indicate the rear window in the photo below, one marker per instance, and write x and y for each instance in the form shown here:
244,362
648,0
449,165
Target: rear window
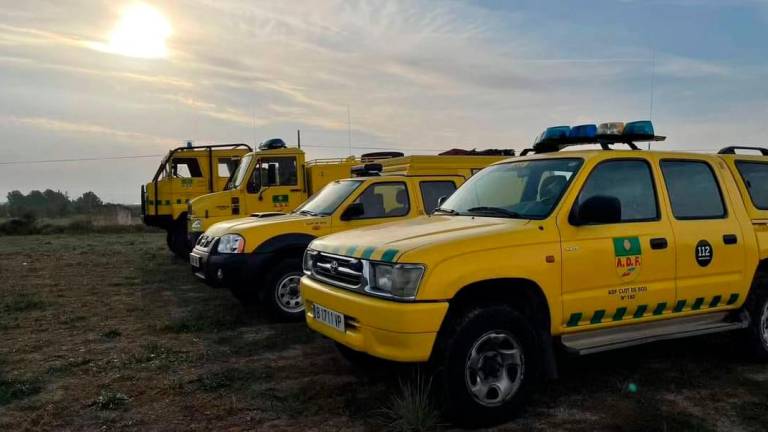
693,190
755,176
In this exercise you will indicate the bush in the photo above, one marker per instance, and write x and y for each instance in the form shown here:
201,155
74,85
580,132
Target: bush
412,409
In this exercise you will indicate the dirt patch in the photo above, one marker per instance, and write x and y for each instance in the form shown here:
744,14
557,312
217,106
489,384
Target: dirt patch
112,332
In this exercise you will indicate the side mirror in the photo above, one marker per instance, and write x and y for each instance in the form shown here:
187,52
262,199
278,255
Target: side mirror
354,211
599,209
271,174
441,200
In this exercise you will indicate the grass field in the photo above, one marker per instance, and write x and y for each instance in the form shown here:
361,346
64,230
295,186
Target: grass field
111,332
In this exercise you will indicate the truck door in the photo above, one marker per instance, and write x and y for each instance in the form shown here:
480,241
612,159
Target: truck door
710,253
275,184
623,270
379,202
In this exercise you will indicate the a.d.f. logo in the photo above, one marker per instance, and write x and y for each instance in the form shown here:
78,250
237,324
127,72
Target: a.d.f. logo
628,257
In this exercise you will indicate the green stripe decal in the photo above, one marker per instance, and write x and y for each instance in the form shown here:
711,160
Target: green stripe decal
732,299
697,304
715,301
597,317
626,246
640,311
574,320
619,315
389,255
660,308
680,305
367,252
351,250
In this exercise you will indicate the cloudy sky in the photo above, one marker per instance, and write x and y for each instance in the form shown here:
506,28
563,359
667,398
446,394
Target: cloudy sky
417,76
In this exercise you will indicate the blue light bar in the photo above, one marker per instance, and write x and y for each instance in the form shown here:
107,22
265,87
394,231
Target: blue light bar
639,129
553,134
583,133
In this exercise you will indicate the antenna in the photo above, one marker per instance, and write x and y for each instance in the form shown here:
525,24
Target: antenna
653,84
298,137
349,129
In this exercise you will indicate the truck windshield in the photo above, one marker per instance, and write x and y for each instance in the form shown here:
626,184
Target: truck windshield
525,189
239,175
329,198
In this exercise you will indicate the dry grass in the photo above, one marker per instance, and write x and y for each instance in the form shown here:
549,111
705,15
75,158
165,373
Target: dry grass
110,331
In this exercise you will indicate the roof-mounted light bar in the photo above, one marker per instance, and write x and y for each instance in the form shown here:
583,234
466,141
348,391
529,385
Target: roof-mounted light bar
367,170
558,137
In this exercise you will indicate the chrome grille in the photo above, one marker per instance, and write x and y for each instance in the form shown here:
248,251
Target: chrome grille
338,270
205,241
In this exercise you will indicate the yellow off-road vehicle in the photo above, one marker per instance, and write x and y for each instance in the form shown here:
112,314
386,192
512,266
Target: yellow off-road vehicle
584,251
184,174
259,258
273,180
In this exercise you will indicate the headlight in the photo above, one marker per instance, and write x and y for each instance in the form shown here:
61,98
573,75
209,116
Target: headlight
399,280
309,260
231,243
196,226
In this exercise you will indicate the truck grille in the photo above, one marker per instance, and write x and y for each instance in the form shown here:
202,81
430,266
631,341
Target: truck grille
338,270
205,241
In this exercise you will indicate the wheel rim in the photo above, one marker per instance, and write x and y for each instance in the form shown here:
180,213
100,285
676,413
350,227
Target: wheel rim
764,324
495,368
288,294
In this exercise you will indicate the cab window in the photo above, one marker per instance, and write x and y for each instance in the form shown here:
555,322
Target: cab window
383,200
225,167
185,168
276,171
755,176
629,181
693,190
431,191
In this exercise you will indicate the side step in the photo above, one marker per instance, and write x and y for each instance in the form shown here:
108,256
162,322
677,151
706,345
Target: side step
619,337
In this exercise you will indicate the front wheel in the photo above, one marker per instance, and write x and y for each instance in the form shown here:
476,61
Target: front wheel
281,295
177,241
490,365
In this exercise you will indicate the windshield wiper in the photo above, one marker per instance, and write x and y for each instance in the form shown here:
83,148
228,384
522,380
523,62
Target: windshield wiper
494,210
445,210
308,212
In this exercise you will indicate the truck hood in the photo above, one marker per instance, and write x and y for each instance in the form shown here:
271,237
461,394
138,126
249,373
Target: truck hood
389,242
288,223
216,204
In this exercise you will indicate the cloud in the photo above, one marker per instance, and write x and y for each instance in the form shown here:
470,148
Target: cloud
67,127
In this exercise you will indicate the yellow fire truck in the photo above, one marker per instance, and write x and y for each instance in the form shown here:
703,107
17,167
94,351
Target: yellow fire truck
184,174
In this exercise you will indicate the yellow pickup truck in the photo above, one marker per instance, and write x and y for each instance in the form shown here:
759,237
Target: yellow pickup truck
259,257
586,251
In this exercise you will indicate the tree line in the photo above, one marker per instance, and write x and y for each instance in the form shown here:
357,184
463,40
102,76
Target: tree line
49,203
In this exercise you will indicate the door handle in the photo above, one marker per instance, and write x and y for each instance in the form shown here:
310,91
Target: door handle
659,243
730,239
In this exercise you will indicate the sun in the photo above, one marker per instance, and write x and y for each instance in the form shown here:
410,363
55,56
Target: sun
141,32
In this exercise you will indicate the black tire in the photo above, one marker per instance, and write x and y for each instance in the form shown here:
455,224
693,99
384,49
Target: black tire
757,332
177,240
279,295
491,330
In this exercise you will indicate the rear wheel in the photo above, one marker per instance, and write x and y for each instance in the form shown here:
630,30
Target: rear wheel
491,362
281,295
757,333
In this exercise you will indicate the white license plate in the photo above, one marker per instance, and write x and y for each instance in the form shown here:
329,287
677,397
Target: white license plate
194,260
328,317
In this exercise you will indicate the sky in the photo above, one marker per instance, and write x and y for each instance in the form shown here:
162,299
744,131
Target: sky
412,75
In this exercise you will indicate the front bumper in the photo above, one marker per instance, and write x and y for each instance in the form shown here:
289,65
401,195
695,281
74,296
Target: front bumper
403,332
233,271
